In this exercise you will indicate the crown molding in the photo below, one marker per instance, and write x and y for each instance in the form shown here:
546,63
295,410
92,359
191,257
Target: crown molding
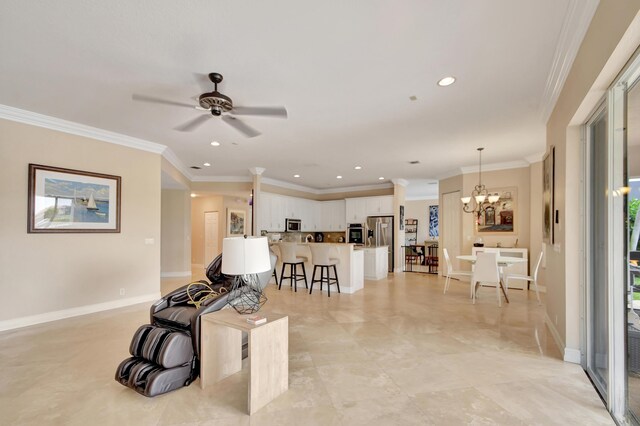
241,179
400,181
575,26
257,170
535,158
172,158
422,198
295,187
495,166
52,123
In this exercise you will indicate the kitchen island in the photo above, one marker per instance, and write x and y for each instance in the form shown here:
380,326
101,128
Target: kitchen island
350,269
376,264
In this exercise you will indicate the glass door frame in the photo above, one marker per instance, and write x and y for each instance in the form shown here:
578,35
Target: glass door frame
615,102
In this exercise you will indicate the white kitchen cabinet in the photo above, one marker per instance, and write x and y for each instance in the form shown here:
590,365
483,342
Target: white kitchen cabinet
378,206
356,210
338,222
332,216
375,262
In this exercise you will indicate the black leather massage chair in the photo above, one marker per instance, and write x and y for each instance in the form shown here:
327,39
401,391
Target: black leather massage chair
165,354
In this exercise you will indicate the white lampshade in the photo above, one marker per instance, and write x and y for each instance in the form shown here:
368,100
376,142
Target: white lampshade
480,199
493,198
465,200
243,256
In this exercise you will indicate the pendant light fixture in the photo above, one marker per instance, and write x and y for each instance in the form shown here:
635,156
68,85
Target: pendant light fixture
480,198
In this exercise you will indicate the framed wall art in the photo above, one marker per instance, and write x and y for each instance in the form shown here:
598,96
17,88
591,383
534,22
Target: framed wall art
65,200
500,218
236,220
548,176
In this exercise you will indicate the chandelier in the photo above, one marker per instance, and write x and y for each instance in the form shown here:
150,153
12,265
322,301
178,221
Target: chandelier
480,198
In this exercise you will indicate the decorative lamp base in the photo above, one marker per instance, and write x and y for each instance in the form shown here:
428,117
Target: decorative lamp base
246,296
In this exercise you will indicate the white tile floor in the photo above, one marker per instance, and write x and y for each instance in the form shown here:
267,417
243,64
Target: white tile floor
398,352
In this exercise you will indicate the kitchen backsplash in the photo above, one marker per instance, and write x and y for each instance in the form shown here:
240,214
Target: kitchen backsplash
299,237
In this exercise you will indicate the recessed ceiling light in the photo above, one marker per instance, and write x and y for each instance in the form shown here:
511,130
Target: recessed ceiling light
381,178
358,167
338,177
296,176
447,81
193,195
215,143
206,164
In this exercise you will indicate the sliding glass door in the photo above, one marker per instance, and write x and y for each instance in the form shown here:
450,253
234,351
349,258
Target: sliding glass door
597,295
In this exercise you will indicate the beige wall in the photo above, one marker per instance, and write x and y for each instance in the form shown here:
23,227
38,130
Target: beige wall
580,92
419,209
215,203
325,197
535,218
44,273
518,178
174,173
446,186
633,155
176,233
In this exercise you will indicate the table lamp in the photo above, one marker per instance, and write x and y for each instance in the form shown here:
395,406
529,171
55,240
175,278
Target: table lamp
244,257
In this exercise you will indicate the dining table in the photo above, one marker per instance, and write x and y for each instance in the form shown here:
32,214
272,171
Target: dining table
503,262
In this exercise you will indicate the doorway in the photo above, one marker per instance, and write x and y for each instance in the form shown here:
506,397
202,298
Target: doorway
211,245
451,223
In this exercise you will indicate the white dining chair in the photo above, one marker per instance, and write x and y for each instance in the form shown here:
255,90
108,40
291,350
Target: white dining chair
451,272
486,271
529,278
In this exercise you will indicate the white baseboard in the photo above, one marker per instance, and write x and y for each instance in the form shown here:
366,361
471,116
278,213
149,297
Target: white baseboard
554,332
568,354
572,355
175,274
74,312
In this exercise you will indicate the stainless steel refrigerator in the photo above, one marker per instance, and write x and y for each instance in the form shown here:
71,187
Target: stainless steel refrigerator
380,233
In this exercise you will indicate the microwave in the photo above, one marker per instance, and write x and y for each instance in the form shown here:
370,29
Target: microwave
292,225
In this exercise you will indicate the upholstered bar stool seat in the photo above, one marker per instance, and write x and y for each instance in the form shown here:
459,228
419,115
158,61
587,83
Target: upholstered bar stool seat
289,258
321,258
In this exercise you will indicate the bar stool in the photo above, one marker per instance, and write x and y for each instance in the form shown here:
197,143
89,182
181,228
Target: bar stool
276,251
320,257
288,257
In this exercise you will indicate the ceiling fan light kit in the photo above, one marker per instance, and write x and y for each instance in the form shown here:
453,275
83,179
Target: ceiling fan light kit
219,105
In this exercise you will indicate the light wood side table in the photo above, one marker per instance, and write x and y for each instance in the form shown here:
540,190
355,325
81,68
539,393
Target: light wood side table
221,353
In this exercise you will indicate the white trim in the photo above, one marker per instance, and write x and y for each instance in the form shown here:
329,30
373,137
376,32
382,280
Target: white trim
287,185
400,181
572,355
535,158
175,274
172,158
74,312
574,28
39,120
554,332
496,166
238,179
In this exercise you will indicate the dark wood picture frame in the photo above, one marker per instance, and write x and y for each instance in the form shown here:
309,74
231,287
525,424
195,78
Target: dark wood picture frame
72,201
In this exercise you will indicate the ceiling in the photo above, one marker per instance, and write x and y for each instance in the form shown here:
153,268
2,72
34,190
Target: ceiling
344,70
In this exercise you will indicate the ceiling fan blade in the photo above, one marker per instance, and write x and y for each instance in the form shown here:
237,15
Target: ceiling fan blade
203,81
240,126
268,111
145,98
193,124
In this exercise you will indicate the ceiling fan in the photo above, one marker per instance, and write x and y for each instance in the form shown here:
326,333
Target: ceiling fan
218,105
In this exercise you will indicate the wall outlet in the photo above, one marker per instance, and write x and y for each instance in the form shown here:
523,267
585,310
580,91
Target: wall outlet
122,292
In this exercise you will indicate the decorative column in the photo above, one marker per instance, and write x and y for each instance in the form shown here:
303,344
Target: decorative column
399,189
255,190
